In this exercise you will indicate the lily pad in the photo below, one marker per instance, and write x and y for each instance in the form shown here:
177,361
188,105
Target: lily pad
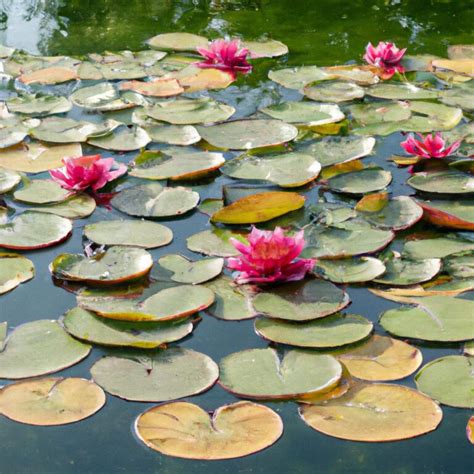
14,270
234,430
460,66
34,230
459,51
41,191
156,376
263,374
259,207
265,49
286,170
177,41
51,401
364,181
307,113
214,242
39,106
38,348
331,331
173,134
460,266
115,265
439,247
449,380
122,138
404,271
442,182
133,233
77,206
9,179
171,303
374,413
435,318
451,214
248,134
375,113
93,329
301,301
401,92
298,77
186,271
160,87
100,97
153,200
50,75
353,270
333,91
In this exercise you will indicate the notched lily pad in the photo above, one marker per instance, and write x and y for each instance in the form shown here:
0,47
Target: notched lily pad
9,179
14,270
123,138
41,191
366,180
186,271
307,113
404,271
442,182
214,242
333,91
353,270
39,106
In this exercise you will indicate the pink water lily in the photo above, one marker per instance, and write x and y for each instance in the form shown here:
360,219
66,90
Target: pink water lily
83,172
226,55
270,257
385,56
430,146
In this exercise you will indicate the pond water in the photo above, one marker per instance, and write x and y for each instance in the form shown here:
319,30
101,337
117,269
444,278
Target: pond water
322,32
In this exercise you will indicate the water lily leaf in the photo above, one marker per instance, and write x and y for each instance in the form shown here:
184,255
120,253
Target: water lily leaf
173,134
286,170
14,270
353,270
470,430
12,134
366,180
333,91
331,331
332,242
460,96
190,111
153,200
259,207
361,74
100,97
449,380
93,329
178,42
442,182
404,272
452,214
396,213
248,134
51,401
401,91
156,376
298,77
262,374
459,51
439,247
460,66
233,302
50,75
265,49
234,430
210,206
468,348
214,242
115,265
34,230
187,271
380,359
161,87
38,348
460,266
131,233
77,206
176,165
374,413
335,150
435,318
38,157
171,303
122,138
301,301
307,113
8,180
41,191
193,78
39,106
380,112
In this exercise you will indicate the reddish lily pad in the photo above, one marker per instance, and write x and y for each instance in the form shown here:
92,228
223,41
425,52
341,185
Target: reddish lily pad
160,87
451,214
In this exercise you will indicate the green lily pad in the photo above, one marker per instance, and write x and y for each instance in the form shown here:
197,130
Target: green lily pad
77,206
301,301
38,348
41,191
93,329
460,266
307,113
39,106
173,134
171,303
451,214
248,134
404,272
14,270
214,242
353,270
100,97
133,233
333,91
12,134
460,96
298,77
190,111
285,170
177,42
375,113
233,302
439,247
156,377
363,181
176,165
8,180
442,182
265,49
34,230
153,200
449,380
262,374
187,271
332,331
115,265
334,150
401,92
122,138
435,318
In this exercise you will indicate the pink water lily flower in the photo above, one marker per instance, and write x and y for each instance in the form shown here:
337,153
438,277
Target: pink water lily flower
430,146
83,172
226,55
385,56
270,257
